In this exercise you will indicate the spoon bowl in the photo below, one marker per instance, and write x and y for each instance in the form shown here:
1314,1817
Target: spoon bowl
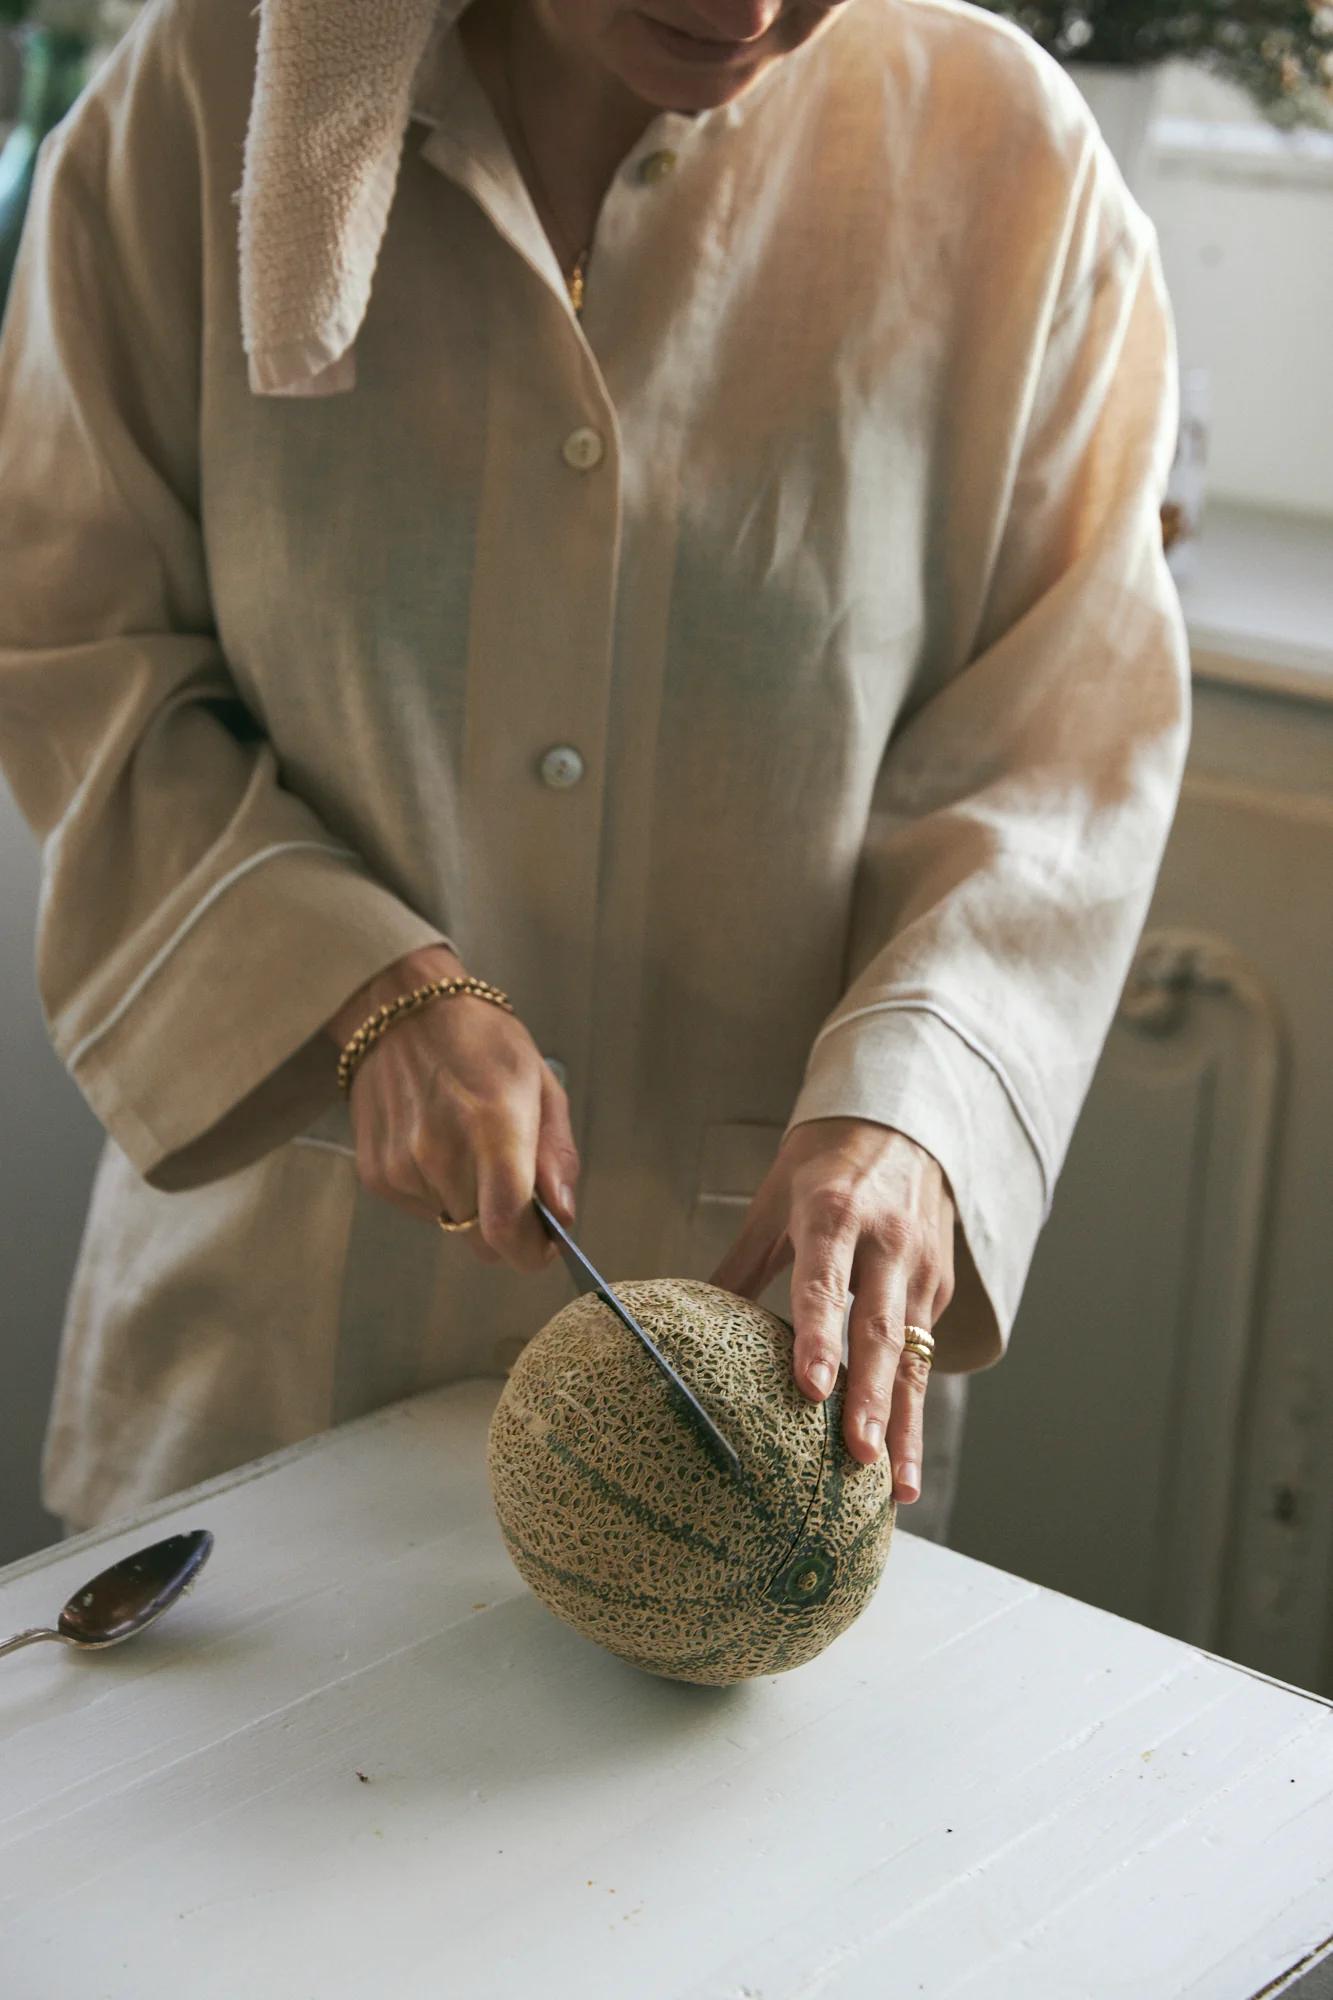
121,1600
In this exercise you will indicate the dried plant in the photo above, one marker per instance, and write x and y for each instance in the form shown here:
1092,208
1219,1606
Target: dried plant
1280,52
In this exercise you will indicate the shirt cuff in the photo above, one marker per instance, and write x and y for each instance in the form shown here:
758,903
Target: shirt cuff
222,1051
907,1068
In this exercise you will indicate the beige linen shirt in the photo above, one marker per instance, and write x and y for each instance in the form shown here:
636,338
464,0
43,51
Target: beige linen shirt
773,681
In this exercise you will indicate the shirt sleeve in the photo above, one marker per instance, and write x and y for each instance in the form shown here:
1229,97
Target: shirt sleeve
197,924
1021,810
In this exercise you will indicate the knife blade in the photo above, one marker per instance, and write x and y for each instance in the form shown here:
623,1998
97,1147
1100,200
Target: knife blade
587,1278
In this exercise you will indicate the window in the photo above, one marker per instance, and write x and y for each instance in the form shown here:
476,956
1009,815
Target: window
1244,215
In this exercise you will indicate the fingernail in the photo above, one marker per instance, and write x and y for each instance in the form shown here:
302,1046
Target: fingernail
908,1475
874,1436
567,1196
822,1377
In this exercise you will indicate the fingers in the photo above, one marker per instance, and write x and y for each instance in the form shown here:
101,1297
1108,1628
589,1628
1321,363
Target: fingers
875,1358
905,1431
525,1146
558,1164
899,1275
464,1119
928,1295
400,1164
823,1235
504,1140
899,1283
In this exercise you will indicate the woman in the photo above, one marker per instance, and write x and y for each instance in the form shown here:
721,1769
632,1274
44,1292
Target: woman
691,558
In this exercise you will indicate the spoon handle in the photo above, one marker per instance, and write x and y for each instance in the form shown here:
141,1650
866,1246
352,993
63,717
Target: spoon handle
29,1638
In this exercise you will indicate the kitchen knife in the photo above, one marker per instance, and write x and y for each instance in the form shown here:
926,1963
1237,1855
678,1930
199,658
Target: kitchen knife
587,1278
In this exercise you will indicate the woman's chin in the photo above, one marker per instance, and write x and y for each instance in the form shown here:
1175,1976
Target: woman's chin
663,78
662,85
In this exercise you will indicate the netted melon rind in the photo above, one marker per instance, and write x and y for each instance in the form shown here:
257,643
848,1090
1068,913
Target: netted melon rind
622,1523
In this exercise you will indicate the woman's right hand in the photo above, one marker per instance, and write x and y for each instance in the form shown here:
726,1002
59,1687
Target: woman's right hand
454,1110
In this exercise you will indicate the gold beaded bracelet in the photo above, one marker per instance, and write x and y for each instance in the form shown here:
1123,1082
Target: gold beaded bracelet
384,1017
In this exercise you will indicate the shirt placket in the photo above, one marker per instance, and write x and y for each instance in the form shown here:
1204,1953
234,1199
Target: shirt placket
542,640
539,671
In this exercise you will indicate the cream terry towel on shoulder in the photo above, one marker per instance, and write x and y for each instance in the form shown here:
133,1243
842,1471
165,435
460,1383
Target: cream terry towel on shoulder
328,113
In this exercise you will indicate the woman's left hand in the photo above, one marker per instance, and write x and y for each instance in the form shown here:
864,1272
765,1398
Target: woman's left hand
861,1208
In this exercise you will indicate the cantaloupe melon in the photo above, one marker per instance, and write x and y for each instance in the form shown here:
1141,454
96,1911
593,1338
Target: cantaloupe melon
625,1525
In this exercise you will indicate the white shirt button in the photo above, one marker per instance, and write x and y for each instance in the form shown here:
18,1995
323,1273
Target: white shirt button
583,448
558,1070
656,166
561,766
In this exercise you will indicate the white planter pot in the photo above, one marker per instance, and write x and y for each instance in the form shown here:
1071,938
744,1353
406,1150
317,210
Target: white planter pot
1123,102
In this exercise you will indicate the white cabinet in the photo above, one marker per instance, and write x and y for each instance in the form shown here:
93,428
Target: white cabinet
1159,1439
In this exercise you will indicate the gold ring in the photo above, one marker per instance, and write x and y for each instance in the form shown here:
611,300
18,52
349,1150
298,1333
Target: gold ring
445,1223
919,1340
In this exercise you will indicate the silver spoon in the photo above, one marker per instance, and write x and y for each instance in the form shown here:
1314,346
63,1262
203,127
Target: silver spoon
121,1600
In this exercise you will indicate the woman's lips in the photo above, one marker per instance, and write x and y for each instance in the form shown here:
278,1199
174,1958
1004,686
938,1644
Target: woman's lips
690,48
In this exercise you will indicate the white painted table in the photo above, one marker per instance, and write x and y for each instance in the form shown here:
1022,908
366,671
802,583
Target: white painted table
981,1788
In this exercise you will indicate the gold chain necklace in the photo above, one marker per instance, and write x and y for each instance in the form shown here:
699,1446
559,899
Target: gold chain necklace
575,280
